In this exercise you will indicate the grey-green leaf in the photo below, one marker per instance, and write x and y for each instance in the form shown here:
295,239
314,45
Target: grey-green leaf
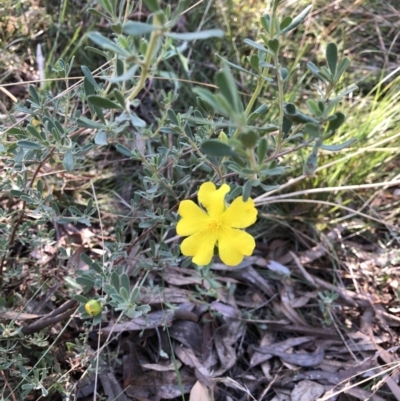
68,161
87,73
29,145
236,67
332,57
211,33
256,45
340,146
106,43
103,102
214,147
136,28
297,20
101,138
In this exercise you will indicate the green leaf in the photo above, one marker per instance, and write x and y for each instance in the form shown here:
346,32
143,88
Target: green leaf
68,161
284,74
224,106
227,86
344,63
80,298
29,145
103,103
273,45
87,73
296,116
312,130
337,122
315,71
115,281
311,163
256,45
116,28
340,146
249,139
262,150
266,22
16,131
207,97
285,23
125,283
172,116
136,28
152,5
127,76
119,98
34,94
297,20
266,170
106,43
286,125
332,57
124,150
214,147
247,190
85,281
254,61
97,51
32,130
211,33
86,122
107,5
101,138
93,11
236,67
136,121
314,107
86,259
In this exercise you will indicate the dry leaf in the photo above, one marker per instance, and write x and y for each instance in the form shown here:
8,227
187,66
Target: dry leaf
199,392
307,390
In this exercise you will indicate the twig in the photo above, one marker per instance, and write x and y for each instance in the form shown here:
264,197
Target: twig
8,385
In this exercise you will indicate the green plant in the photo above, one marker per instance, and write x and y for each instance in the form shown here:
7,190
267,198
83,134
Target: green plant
220,138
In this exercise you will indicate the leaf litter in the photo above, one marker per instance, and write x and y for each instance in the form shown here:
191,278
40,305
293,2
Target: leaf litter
272,329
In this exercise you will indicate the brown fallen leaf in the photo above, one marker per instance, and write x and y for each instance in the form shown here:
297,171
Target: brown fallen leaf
225,338
155,385
199,392
262,355
299,359
187,356
307,390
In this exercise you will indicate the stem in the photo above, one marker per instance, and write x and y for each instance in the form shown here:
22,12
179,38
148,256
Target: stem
280,101
147,61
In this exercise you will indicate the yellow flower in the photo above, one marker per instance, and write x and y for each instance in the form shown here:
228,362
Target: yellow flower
219,225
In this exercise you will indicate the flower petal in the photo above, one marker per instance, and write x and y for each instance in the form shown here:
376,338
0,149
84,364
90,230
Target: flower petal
240,214
193,218
234,244
213,199
201,246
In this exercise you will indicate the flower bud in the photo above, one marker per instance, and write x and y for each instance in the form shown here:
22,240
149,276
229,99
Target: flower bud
93,307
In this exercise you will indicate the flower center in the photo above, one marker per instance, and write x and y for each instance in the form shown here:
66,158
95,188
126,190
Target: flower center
214,225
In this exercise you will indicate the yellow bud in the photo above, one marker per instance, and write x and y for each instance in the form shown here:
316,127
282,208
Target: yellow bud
223,138
93,307
35,122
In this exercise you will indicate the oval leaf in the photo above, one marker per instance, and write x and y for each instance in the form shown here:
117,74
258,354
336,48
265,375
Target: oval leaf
102,102
214,147
211,33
